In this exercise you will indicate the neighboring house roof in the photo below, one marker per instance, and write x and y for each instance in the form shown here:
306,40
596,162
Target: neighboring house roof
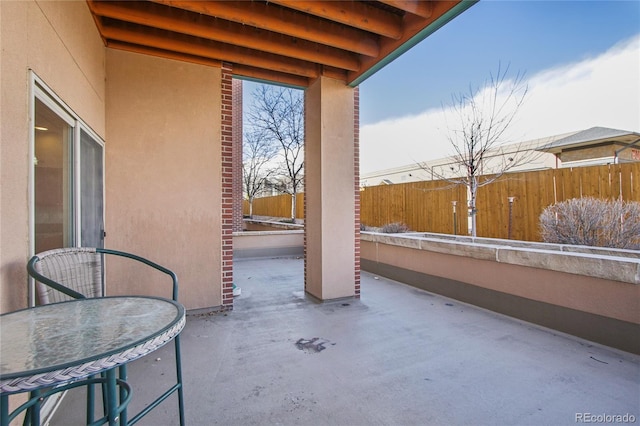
592,136
499,150
551,145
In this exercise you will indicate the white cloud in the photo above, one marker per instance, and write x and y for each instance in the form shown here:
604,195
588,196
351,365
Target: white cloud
600,91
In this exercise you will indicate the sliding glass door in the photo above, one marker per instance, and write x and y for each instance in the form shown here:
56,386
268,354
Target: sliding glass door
53,178
91,192
68,178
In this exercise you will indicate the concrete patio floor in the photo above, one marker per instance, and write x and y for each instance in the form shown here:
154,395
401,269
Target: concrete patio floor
397,356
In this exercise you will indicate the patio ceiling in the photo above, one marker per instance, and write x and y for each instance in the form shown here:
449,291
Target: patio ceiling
289,42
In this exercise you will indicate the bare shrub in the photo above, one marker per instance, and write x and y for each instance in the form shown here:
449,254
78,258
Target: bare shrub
592,222
394,228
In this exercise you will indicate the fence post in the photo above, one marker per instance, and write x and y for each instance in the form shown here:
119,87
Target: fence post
455,220
511,200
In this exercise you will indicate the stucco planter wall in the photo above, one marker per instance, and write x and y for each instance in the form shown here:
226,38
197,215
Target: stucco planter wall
252,244
589,292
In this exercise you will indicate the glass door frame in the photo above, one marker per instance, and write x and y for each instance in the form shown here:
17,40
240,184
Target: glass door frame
40,90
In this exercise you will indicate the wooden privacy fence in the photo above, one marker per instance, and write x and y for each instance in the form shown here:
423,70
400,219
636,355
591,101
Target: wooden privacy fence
422,206
275,206
427,206
534,191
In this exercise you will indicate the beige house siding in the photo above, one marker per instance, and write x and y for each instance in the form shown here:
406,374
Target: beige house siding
163,174
59,42
597,151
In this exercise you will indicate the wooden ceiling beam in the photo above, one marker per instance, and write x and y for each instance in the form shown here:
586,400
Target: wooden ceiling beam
224,31
422,8
291,23
238,70
160,39
352,13
334,73
251,73
166,54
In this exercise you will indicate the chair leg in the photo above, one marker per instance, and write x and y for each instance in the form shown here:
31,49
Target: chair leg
104,394
90,402
29,417
122,373
179,378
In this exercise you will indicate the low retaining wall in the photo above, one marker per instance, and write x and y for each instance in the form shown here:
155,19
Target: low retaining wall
269,225
587,292
268,243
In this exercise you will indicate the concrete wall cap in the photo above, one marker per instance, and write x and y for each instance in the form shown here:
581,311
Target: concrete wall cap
612,264
256,233
275,223
615,268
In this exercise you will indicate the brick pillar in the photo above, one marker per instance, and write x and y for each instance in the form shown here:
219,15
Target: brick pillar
237,154
356,166
226,130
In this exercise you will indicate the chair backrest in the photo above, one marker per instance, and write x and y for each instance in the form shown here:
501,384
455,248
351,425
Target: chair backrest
78,269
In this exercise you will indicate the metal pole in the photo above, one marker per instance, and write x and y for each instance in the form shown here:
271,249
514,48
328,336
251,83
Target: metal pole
455,220
511,200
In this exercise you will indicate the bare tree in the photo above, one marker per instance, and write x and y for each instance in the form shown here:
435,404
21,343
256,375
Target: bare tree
476,132
258,154
278,114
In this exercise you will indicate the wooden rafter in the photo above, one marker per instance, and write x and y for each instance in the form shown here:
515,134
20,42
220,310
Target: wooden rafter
226,32
291,42
159,39
287,22
421,8
354,14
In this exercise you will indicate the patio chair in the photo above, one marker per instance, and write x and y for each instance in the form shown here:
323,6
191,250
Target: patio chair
77,273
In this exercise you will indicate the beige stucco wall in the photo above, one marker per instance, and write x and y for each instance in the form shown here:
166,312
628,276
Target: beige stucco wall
329,189
163,174
60,43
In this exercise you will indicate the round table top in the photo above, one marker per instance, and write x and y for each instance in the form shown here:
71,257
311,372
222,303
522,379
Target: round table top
60,342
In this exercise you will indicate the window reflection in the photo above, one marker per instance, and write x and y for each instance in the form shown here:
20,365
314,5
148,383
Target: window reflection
53,202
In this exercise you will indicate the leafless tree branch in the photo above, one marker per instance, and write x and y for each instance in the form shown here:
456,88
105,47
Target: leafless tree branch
278,114
258,153
476,124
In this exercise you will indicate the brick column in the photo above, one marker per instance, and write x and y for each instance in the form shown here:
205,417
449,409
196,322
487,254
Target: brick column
356,168
226,125
237,154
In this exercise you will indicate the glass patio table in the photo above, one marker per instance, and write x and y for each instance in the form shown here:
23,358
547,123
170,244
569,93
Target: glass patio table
64,343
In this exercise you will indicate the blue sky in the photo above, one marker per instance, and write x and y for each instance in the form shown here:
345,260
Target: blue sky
582,65
581,60
528,35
